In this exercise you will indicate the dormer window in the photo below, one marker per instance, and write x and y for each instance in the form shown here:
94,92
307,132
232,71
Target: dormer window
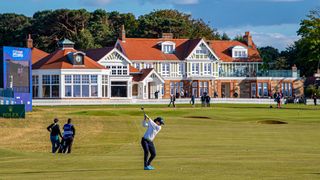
76,58
239,52
168,47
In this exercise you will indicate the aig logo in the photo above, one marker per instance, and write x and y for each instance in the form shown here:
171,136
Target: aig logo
17,54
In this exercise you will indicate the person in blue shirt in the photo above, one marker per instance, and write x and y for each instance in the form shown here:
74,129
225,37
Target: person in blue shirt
68,136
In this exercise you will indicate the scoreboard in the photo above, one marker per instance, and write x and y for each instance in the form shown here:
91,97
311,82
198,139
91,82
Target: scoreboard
15,68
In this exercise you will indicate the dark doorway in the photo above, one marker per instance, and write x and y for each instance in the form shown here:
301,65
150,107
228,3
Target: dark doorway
119,89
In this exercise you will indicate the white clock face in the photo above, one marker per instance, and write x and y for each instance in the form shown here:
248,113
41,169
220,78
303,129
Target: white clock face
78,59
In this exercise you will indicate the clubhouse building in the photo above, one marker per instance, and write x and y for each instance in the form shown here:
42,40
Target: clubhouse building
141,68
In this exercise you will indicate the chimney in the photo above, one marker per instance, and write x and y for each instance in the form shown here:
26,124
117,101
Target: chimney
167,36
248,38
29,42
123,34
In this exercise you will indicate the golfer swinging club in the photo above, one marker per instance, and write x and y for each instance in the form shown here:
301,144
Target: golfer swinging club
147,141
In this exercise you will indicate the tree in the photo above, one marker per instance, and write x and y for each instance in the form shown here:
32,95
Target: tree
225,37
99,28
13,29
172,21
309,44
269,55
239,38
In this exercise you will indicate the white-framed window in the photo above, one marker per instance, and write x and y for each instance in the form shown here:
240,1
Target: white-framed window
168,47
180,68
81,86
50,86
137,65
203,87
148,65
165,70
286,88
239,52
265,90
105,84
207,69
118,70
35,86
195,67
259,89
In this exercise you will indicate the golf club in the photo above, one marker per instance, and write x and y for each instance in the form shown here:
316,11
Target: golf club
142,108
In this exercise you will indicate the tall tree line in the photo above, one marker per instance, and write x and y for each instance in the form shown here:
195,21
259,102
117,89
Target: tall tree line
98,28
305,52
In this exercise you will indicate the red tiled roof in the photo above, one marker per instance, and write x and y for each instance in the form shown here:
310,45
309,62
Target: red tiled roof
142,75
133,70
97,54
59,60
224,52
37,54
150,49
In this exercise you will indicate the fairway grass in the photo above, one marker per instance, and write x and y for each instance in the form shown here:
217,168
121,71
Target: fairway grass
220,142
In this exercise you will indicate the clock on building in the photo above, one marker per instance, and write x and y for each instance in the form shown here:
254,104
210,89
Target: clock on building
78,59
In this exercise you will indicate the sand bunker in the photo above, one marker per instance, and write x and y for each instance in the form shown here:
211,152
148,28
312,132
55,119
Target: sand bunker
271,122
198,117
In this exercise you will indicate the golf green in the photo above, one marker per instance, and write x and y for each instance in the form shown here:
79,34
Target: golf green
220,142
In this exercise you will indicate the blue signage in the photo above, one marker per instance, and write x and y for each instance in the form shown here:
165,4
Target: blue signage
17,74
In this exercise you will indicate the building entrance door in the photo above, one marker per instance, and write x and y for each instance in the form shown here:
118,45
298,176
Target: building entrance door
225,90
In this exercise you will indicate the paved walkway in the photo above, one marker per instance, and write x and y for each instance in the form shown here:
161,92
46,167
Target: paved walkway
63,102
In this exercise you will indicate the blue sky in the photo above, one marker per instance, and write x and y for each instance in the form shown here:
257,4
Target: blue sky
271,22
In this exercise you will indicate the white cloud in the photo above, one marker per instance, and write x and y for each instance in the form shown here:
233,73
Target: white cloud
279,36
172,2
179,2
95,2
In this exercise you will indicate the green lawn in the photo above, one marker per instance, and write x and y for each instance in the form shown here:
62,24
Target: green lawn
221,142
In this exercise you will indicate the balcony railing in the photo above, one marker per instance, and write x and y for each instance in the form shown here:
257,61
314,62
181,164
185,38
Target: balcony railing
269,73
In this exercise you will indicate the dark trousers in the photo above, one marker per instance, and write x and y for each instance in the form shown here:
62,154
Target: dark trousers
172,104
55,143
148,147
66,145
315,101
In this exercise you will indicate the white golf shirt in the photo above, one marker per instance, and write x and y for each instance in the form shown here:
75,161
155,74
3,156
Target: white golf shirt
152,131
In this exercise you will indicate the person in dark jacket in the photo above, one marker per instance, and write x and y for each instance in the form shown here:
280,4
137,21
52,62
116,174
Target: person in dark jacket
192,100
203,100
55,132
172,100
208,99
68,136
315,98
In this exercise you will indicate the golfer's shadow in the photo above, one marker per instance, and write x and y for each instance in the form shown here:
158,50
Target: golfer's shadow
70,171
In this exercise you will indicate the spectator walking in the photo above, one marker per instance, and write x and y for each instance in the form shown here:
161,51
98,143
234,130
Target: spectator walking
203,100
172,101
208,99
315,98
192,100
55,132
278,99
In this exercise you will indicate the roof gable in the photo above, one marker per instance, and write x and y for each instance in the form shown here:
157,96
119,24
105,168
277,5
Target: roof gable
115,54
146,73
202,45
